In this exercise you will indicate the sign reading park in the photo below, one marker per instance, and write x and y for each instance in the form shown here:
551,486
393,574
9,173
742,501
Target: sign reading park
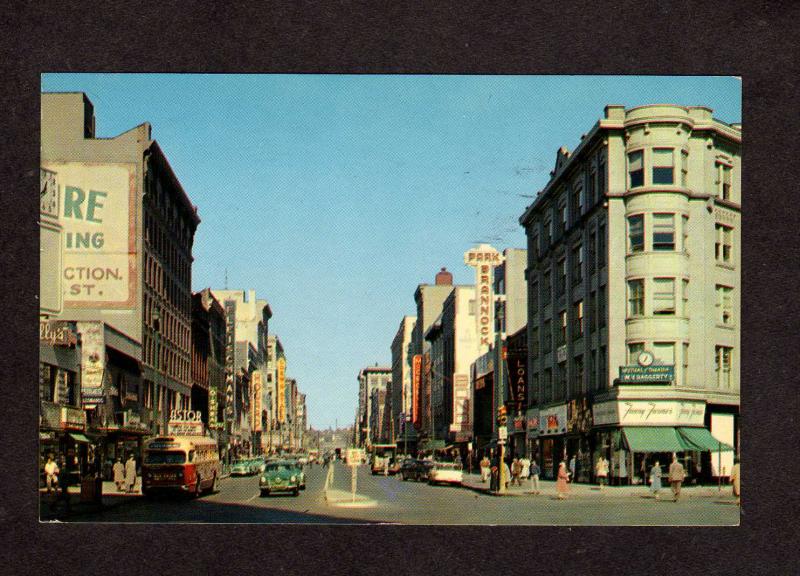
484,259
99,234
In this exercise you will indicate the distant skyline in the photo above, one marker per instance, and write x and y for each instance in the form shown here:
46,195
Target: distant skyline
334,196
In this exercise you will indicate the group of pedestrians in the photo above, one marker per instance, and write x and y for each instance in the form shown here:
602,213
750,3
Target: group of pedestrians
125,474
520,469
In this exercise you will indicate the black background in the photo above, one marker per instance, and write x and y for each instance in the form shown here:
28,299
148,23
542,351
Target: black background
756,40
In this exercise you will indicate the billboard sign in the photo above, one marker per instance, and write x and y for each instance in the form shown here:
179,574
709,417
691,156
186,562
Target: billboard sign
98,217
282,390
256,404
93,363
416,377
461,403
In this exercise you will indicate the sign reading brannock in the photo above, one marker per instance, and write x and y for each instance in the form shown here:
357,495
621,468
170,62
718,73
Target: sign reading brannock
484,258
649,413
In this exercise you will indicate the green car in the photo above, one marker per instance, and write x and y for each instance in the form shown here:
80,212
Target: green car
279,476
242,467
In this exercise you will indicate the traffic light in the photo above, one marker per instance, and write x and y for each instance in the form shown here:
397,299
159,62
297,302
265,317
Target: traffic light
502,418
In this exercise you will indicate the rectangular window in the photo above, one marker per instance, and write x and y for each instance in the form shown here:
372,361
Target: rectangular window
727,174
601,176
601,244
592,311
562,277
592,251
636,233
535,342
562,218
603,368
548,385
685,231
685,364
577,204
591,187
578,320
636,168
724,305
635,298
547,230
578,373
685,295
723,248
601,307
533,298
684,168
634,349
663,166
548,337
663,231
547,287
562,333
577,264
534,247
562,380
664,296
664,353
593,370
722,365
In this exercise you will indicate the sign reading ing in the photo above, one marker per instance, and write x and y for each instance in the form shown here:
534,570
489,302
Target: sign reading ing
484,259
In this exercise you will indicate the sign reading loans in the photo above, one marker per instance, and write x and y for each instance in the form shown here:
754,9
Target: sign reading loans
484,258
99,234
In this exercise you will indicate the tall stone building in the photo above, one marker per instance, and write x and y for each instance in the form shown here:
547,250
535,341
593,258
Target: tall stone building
402,393
634,267
370,379
125,272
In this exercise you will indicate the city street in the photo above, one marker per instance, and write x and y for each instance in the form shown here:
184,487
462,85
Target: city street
392,500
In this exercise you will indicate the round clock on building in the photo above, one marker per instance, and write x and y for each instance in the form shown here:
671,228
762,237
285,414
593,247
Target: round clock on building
645,358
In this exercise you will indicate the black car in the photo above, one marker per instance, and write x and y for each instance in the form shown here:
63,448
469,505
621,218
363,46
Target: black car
416,469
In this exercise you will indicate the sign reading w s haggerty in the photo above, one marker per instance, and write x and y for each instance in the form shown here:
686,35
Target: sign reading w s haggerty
98,217
654,373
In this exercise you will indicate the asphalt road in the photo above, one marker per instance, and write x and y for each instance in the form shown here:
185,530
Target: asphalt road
397,501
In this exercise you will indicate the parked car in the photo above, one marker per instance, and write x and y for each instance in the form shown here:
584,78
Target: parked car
445,473
415,469
241,467
408,468
279,476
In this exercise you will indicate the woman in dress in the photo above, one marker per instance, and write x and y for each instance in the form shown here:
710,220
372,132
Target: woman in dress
655,479
561,483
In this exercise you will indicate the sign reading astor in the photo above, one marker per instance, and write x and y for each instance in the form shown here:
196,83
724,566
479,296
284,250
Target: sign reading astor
99,239
484,258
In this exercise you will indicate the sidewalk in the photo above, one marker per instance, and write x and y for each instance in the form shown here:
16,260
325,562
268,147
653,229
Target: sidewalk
578,490
51,509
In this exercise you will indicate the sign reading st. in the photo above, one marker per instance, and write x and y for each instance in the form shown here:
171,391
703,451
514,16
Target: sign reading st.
99,241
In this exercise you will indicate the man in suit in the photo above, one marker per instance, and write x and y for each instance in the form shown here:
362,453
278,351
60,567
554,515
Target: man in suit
676,476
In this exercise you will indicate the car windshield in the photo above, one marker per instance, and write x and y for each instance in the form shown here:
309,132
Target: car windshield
447,465
277,467
165,458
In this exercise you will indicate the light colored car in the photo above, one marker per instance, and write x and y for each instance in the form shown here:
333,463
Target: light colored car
445,473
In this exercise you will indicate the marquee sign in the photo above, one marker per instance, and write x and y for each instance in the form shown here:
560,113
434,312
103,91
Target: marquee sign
185,423
484,259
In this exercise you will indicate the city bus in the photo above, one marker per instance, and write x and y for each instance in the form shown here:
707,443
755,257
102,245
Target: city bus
187,464
382,457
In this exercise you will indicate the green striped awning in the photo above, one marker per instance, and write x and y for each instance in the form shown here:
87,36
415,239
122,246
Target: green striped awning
78,437
654,439
701,439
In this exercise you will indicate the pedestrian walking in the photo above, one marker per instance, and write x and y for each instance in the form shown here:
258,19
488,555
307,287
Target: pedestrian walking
516,472
601,471
562,488
655,479
572,469
736,481
526,467
494,483
119,474
676,477
486,468
506,473
534,476
130,474
51,474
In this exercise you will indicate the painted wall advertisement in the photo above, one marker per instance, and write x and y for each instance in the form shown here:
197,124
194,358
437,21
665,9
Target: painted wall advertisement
532,422
256,404
282,390
484,258
649,413
553,420
99,234
93,363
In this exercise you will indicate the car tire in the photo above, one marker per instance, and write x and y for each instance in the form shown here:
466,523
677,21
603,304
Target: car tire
296,492
264,493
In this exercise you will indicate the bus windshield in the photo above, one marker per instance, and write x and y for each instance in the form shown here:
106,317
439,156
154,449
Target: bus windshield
165,458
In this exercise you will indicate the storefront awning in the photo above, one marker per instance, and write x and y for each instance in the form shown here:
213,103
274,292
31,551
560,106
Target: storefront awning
654,439
702,440
79,437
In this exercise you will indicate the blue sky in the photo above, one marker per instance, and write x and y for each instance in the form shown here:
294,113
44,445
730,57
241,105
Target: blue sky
335,196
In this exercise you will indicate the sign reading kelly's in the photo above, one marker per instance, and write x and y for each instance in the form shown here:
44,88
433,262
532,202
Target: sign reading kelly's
99,240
